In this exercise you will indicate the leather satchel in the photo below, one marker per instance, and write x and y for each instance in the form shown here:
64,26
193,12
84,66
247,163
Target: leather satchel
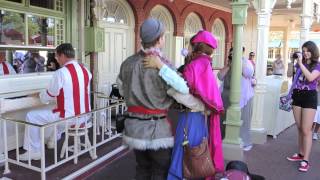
197,162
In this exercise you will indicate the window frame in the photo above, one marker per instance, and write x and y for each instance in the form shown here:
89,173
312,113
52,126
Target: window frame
35,11
221,45
15,85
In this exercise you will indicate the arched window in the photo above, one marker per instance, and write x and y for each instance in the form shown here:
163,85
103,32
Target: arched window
219,32
162,14
191,26
113,12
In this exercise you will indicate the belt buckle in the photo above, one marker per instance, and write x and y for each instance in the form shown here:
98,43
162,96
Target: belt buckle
154,118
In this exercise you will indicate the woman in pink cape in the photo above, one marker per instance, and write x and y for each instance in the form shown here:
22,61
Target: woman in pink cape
202,83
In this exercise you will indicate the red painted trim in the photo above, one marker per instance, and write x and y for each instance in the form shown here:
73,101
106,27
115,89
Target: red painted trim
60,104
143,110
82,125
5,68
76,88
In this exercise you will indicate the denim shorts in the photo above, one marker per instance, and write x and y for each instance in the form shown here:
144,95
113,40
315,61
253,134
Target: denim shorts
305,98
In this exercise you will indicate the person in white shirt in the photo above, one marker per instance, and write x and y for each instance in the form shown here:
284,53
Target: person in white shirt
70,86
278,66
5,67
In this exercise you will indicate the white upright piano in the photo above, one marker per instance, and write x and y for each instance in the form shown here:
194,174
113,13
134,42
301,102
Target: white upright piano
15,103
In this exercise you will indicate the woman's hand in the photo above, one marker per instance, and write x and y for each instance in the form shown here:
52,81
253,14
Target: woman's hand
152,62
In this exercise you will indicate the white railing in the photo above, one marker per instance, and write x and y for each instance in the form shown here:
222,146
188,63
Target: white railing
82,125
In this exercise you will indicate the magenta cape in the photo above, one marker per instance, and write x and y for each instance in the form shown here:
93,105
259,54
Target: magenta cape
202,83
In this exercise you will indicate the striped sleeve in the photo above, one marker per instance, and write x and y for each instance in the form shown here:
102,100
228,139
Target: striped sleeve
53,89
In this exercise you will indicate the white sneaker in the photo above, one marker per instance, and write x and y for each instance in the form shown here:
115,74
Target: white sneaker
315,136
33,156
247,148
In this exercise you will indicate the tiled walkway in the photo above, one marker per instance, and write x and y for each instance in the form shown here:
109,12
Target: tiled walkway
268,160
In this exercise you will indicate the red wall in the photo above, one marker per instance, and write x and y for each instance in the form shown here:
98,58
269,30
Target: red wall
179,10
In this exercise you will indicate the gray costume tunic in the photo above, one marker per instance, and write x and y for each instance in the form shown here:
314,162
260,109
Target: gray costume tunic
144,87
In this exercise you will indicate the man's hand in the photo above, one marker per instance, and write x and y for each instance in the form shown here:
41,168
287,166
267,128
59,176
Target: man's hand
35,95
152,62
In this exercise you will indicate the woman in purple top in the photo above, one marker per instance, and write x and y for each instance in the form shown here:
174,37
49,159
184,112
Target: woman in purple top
305,101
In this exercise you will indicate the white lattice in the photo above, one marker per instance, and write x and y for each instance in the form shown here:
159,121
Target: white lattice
219,32
60,31
113,12
192,24
162,14
59,5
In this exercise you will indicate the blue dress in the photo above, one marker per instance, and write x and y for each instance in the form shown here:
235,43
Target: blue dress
196,131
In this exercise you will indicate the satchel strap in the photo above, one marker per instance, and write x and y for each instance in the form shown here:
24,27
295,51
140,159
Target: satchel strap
185,129
185,132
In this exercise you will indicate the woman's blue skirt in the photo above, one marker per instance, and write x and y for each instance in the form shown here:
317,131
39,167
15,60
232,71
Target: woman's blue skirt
196,130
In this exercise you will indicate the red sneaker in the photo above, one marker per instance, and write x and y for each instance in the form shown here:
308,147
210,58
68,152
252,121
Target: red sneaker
295,157
304,166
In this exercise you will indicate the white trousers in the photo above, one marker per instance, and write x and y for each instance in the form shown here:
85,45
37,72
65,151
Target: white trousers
245,129
32,139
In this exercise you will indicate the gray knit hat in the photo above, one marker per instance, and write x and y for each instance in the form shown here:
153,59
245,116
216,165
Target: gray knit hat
150,30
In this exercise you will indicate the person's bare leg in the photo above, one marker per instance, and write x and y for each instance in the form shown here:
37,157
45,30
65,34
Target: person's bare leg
297,117
307,121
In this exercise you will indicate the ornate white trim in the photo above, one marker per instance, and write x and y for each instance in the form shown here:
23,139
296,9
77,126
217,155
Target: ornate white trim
211,5
116,8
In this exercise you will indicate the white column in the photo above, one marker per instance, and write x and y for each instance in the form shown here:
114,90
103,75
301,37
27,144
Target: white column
263,8
178,59
286,58
306,20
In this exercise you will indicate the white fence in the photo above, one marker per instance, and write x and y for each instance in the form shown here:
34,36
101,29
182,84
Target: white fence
97,123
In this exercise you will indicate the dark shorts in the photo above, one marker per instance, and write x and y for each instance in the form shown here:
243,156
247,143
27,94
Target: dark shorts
305,98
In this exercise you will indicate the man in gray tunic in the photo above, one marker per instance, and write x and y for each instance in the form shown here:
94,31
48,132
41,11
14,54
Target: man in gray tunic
147,129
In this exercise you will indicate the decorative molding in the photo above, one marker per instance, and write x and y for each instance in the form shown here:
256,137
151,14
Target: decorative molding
192,24
211,5
263,5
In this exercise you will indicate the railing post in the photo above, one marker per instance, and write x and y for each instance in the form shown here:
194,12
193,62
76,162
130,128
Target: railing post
94,143
43,155
6,163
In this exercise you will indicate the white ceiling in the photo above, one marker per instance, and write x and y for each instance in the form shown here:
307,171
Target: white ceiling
281,15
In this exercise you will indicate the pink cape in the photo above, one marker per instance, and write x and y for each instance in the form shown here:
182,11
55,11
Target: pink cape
202,83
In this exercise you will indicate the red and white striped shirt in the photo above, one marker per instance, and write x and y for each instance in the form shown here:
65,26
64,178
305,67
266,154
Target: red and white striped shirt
6,68
71,86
